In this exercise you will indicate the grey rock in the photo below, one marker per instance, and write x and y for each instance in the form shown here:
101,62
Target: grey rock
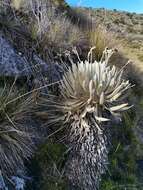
13,63
52,70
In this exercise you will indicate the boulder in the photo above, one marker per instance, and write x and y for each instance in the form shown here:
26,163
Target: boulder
14,63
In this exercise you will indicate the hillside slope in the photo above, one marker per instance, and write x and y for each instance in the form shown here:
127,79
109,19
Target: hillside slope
42,46
127,27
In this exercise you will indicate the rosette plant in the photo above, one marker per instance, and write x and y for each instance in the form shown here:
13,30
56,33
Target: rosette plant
90,93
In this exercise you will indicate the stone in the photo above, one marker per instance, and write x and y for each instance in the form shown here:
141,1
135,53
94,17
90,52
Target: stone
11,63
14,63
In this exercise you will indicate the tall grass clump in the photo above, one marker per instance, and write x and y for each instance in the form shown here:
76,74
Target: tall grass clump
102,38
16,136
90,92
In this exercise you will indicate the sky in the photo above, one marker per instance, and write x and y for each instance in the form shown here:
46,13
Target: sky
126,5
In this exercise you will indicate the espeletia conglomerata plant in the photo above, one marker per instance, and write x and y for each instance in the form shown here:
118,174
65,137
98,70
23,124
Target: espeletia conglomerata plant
90,93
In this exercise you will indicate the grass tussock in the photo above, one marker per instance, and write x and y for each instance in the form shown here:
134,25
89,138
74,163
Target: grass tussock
16,137
101,38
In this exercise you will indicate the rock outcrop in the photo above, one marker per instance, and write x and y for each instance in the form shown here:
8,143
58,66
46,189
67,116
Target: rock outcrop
14,63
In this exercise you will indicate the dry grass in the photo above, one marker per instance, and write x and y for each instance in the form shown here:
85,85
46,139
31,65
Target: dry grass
134,69
62,35
41,25
16,137
53,29
101,38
